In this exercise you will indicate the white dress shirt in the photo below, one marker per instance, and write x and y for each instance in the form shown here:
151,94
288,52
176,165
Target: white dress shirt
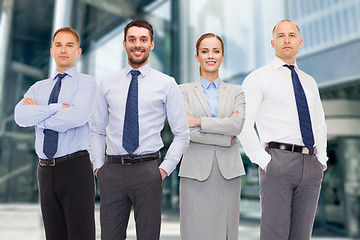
77,90
270,103
159,98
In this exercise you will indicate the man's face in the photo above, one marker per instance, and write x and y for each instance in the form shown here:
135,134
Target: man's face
286,41
65,51
138,45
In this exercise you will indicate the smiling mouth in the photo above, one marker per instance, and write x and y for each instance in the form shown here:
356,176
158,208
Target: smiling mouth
138,52
211,62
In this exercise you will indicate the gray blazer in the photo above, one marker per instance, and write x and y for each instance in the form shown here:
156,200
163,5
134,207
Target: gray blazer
215,135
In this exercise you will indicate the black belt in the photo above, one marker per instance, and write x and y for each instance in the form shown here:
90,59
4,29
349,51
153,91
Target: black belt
54,161
292,148
132,159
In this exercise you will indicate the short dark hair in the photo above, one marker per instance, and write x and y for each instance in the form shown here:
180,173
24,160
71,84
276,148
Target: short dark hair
69,30
285,20
139,23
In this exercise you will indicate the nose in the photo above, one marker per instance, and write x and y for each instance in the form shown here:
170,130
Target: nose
63,49
211,54
137,43
287,39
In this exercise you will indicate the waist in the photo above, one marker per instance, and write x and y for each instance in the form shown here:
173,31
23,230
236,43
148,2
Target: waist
291,148
132,159
54,161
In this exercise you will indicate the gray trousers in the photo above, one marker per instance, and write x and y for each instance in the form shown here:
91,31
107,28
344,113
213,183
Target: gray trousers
123,186
289,193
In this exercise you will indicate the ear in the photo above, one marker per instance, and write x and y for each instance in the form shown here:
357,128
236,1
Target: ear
197,58
124,45
52,52
272,43
152,45
79,52
301,42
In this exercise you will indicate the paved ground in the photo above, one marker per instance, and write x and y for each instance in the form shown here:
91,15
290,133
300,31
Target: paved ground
23,222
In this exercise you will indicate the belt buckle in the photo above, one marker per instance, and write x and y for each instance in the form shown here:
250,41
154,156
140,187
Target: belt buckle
123,159
305,150
51,162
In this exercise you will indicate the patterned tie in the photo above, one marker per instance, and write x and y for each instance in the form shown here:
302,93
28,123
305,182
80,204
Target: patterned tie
303,109
51,136
131,121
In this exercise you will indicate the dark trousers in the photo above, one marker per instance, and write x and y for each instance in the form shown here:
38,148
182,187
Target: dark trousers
123,186
289,193
67,199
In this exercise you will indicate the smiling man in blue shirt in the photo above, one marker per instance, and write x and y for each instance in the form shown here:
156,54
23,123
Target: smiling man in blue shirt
60,109
130,112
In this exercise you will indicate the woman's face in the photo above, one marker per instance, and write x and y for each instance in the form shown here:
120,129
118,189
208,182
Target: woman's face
210,55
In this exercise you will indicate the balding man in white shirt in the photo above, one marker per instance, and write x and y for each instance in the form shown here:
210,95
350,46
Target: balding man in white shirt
284,103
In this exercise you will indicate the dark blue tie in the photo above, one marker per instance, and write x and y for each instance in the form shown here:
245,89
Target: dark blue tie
131,121
303,110
51,136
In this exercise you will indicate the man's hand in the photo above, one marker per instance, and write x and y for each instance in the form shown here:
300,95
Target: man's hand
65,106
163,174
193,122
96,170
234,113
29,101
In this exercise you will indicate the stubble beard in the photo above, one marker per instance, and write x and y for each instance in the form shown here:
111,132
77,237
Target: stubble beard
138,62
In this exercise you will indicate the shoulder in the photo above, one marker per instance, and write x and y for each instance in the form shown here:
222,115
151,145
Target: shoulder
187,86
233,87
41,83
113,77
307,77
257,77
160,76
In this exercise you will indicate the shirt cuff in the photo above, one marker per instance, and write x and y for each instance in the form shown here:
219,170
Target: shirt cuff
261,158
97,164
167,166
322,158
55,107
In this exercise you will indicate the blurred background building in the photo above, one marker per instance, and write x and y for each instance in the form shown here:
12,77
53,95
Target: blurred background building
331,54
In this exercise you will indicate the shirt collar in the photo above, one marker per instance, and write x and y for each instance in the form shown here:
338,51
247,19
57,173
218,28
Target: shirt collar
278,63
143,69
70,72
205,83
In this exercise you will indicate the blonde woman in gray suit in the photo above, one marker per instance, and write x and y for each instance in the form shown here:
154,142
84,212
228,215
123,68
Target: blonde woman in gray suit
211,166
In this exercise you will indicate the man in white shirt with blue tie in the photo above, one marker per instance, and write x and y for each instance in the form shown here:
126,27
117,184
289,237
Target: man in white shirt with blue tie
60,108
131,108
284,103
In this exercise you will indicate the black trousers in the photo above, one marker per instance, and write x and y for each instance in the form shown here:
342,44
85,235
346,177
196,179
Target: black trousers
67,199
124,186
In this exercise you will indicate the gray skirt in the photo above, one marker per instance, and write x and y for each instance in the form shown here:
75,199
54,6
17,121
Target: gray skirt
210,209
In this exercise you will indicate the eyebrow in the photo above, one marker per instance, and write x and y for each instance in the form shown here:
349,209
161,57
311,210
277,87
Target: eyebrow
287,33
65,43
205,48
133,36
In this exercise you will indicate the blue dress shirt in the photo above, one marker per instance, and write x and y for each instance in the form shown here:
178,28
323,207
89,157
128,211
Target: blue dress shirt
159,98
77,90
211,92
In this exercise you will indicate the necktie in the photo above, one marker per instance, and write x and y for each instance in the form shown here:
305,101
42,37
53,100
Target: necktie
51,136
131,121
303,110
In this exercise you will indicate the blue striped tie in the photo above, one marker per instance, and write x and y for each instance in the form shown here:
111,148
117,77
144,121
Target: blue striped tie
303,110
51,136
131,121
